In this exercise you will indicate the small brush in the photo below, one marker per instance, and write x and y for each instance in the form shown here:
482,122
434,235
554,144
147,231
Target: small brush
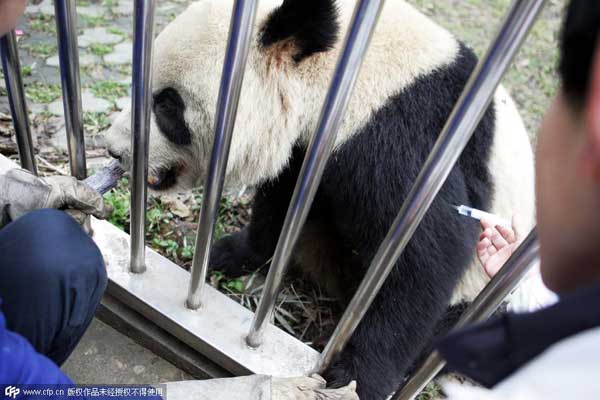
106,178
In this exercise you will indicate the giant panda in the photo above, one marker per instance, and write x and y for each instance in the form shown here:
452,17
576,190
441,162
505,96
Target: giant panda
411,78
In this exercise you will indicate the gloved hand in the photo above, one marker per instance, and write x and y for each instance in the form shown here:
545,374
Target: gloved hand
260,387
310,388
21,192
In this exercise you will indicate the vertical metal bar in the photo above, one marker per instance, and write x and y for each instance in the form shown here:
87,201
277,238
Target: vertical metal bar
240,34
16,98
140,127
357,41
482,308
459,128
68,54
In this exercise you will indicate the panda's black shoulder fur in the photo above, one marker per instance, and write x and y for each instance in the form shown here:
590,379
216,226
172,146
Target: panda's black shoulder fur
363,187
312,25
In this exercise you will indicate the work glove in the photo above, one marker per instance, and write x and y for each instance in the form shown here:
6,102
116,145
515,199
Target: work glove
310,388
260,387
22,192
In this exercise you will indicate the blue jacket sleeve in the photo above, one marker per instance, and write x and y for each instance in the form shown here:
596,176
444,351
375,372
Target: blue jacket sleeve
20,364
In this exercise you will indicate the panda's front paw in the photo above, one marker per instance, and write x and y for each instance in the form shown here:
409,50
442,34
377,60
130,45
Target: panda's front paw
227,256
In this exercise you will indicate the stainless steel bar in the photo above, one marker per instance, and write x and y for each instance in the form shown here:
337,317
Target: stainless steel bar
356,44
16,98
240,34
458,130
68,54
140,126
482,308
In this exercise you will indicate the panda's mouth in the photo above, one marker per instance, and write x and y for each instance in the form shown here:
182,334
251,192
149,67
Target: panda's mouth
164,178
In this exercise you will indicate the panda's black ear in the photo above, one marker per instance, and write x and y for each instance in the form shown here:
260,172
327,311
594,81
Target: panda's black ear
305,26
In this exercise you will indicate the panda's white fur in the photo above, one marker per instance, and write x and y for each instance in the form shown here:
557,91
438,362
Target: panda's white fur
189,54
281,100
511,165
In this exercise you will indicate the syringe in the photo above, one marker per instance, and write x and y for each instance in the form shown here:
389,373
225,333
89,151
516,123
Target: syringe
478,215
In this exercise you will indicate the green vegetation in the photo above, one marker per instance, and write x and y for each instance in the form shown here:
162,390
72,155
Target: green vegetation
42,93
116,31
171,228
110,90
86,21
26,70
42,23
101,49
110,3
119,200
94,123
431,392
42,50
531,79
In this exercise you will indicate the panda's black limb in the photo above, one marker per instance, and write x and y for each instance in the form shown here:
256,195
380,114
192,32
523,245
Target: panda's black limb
363,187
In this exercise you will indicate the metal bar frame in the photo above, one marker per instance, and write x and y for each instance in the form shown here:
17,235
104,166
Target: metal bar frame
68,54
356,44
157,298
11,66
484,305
459,128
141,101
238,46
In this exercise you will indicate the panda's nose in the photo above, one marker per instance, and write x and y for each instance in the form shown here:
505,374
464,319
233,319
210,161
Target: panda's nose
114,155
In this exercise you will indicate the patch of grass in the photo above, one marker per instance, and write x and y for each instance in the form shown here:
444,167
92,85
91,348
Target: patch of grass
26,70
124,69
110,3
116,31
431,392
43,50
94,123
119,199
42,93
101,49
109,90
86,21
231,285
42,23
531,79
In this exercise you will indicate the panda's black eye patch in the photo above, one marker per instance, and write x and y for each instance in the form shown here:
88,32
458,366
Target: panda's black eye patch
169,110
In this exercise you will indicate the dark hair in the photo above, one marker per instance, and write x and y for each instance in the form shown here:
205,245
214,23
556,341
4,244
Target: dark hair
579,41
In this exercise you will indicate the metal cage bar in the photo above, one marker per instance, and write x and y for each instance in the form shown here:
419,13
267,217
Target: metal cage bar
68,54
16,98
482,307
141,101
357,41
240,34
458,130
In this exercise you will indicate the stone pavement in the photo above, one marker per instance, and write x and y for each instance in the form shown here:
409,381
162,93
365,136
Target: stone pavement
105,56
105,356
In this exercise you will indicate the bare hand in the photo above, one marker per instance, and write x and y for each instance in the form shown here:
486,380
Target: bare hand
496,244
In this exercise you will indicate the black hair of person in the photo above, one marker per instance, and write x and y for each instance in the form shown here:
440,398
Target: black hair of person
579,41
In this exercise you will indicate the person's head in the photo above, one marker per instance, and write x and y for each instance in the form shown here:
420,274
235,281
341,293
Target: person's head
10,11
568,158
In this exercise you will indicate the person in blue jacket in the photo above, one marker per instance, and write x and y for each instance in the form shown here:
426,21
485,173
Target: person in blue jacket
52,275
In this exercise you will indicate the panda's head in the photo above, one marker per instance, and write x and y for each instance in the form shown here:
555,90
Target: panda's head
290,61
